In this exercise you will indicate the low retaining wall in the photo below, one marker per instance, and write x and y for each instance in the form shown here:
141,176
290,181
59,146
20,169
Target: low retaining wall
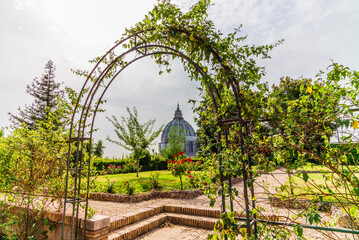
184,194
94,228
145,196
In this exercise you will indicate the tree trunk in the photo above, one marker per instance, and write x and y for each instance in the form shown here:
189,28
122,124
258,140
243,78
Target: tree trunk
138,166
181,181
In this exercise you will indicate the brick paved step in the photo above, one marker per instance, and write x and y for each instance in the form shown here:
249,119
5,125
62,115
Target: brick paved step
136,229
130,218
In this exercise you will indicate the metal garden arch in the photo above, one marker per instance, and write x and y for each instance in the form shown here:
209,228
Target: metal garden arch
76,191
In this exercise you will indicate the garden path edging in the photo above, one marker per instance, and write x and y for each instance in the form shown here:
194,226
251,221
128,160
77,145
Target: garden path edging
178,194
185,194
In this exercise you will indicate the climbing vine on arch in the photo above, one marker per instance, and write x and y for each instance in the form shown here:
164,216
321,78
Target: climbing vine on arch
224,64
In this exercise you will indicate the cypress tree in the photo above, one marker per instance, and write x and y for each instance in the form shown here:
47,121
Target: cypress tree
45,92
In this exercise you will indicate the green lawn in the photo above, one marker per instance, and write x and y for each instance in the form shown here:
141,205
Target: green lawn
142,183
317,184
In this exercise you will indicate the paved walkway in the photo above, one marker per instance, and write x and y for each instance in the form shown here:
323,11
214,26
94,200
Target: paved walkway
264,185
175,232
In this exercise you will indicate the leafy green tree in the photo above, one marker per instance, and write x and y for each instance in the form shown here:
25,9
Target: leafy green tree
176,142
99,149
46,93
133,135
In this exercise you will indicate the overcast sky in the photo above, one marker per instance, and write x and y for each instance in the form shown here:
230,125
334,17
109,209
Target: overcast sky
71,32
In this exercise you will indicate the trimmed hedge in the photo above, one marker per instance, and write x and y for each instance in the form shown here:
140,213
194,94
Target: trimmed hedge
102,163
128,164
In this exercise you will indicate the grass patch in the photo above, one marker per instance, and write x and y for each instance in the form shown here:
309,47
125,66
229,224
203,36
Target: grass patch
141,184
312,185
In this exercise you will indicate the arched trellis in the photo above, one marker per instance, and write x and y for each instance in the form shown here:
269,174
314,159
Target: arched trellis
79,126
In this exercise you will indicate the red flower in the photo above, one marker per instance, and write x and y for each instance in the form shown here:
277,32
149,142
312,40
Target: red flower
188,171
168,161
105,172
173,161
180,153
174,156
205,183
182,161
189,160
178,162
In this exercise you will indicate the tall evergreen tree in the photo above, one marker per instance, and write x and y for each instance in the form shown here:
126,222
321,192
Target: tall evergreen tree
45,92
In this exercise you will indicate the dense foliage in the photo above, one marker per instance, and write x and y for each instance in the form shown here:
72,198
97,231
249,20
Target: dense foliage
32,162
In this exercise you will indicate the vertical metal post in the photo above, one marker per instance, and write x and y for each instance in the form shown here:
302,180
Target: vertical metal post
74,200
221,178
253,197
226,129
245,192
230,192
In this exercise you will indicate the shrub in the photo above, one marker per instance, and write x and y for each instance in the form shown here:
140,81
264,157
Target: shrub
128,188
179,166
110,186
32,162
102,164
155,180
113,169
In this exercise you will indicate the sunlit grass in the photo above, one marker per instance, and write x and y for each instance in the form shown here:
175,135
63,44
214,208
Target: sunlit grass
142,183
318,183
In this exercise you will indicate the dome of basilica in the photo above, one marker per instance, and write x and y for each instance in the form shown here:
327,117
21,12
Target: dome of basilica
181,124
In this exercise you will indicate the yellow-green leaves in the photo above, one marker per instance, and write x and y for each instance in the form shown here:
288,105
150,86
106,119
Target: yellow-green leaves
191,37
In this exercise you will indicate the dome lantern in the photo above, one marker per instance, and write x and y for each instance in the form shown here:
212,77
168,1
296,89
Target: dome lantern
178,113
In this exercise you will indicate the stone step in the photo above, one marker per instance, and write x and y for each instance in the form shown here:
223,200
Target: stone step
136,229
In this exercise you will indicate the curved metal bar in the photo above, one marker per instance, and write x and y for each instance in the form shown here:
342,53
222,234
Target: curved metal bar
72,125
95,87
79,133
110,82
90,95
